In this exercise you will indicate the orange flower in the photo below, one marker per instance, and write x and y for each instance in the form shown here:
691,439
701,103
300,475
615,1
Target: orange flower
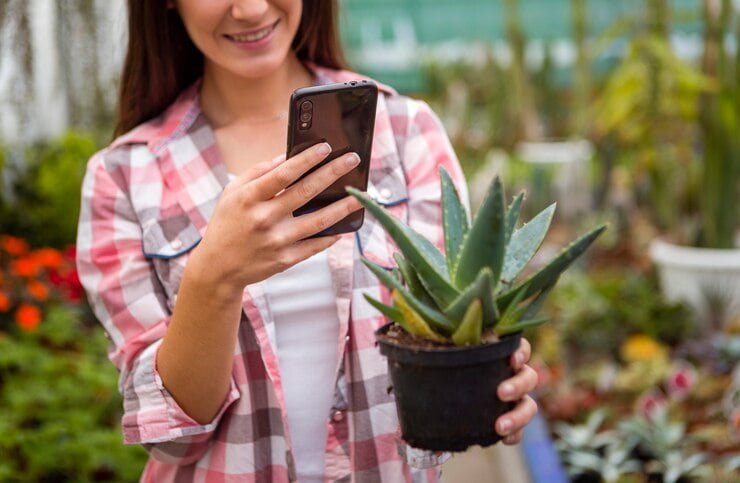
4,302
48,258
38,290
25,267
13,245
28,317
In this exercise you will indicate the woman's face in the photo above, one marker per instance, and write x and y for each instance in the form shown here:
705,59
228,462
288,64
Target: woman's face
249,38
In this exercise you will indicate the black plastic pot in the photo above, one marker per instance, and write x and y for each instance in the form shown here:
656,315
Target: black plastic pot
446,397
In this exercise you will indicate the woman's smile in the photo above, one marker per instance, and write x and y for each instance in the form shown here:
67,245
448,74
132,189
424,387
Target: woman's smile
253,38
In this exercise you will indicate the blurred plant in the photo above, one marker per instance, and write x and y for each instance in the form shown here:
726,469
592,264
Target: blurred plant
720,122
599,312
59,405
32,279
44,201
649,108
587,451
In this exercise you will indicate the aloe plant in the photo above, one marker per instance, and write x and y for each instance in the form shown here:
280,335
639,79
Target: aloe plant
472,288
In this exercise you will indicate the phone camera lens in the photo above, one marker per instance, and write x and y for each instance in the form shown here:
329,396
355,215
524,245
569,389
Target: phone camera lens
305,116
306,105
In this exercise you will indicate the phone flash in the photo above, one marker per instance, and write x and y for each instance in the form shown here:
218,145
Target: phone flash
304,124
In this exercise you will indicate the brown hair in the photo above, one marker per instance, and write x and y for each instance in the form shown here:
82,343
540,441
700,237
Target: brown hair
161,59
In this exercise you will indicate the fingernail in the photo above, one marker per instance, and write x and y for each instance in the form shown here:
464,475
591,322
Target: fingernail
507,389
323,149
352,159
504,426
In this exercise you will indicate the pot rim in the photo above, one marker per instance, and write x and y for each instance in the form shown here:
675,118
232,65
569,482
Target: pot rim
718,259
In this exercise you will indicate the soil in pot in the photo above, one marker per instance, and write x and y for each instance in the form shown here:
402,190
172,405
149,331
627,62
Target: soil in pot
446,395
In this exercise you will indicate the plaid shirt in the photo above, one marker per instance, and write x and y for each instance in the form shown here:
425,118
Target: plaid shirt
146,202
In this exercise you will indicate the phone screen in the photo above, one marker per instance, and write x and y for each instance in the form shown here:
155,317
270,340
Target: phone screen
344,116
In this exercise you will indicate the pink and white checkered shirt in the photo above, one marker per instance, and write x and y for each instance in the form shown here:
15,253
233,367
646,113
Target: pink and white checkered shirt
146,202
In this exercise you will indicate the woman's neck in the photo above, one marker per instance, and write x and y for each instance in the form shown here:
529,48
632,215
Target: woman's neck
227,98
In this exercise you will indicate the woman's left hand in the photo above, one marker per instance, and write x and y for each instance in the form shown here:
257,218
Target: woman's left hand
517,388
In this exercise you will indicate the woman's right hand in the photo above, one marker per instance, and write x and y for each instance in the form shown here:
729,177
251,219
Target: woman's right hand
253,235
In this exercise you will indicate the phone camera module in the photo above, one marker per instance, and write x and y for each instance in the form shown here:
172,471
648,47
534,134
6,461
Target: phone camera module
305,115
306,106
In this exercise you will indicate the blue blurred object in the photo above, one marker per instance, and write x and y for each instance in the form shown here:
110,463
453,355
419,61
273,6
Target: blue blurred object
542,459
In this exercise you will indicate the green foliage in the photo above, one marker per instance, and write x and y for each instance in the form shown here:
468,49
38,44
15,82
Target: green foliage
59,406
464,296
44,201
600,311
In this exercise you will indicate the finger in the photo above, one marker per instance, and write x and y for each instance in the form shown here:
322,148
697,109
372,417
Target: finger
518,386
516,419
313,184
254,172
522,354
310,223
277,179
304,249
513,439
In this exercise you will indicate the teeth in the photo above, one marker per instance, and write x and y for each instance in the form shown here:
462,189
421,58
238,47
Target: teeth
260,34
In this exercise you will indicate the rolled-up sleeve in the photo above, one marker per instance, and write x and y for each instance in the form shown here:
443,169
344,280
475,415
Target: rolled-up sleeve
128,300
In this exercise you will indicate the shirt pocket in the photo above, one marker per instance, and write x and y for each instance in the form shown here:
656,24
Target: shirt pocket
167,243
387,186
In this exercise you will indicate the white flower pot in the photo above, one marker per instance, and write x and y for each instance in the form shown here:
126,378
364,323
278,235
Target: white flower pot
696,275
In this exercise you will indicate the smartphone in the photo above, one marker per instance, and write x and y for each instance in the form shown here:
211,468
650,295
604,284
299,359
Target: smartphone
343,115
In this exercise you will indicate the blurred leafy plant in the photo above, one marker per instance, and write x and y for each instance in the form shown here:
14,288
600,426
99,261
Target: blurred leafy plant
44,199
59,407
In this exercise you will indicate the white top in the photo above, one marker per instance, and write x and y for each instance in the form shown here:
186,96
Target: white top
304,311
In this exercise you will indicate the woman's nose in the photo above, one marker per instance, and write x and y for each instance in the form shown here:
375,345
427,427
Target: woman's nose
249,10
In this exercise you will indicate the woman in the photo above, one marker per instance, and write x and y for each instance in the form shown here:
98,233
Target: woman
243,352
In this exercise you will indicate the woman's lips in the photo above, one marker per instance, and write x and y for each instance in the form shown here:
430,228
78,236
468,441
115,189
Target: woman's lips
253,36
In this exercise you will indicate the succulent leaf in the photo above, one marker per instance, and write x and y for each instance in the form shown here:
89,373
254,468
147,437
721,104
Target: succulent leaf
469,332
521,325
512,215
412,280
433,317
391,312
482,289
552,271
524,243
485,243
419,251
454,220
512,312
415,323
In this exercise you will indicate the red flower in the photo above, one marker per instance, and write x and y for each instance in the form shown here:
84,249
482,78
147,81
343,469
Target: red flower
28,317
38,290
681,381
4,302
13,245
650,403
25,267
48,258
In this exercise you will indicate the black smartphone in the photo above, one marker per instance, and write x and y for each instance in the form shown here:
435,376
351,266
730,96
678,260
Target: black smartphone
343,115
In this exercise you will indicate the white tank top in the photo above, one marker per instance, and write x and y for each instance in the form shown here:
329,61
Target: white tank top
303,307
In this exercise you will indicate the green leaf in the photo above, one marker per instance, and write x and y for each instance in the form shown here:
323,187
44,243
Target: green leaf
552,271
433,317
391,312
521,325
415,323
512,215
481,288
484,246
469,332
524,244
418,251
412,280
512,312
454,220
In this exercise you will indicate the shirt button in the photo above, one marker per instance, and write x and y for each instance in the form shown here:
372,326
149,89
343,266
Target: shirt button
346,338
176,244
385,194
337,416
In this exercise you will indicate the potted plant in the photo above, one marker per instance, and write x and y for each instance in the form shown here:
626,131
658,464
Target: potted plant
457,316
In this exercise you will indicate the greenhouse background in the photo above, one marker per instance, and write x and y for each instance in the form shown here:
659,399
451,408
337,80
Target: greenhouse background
626,112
